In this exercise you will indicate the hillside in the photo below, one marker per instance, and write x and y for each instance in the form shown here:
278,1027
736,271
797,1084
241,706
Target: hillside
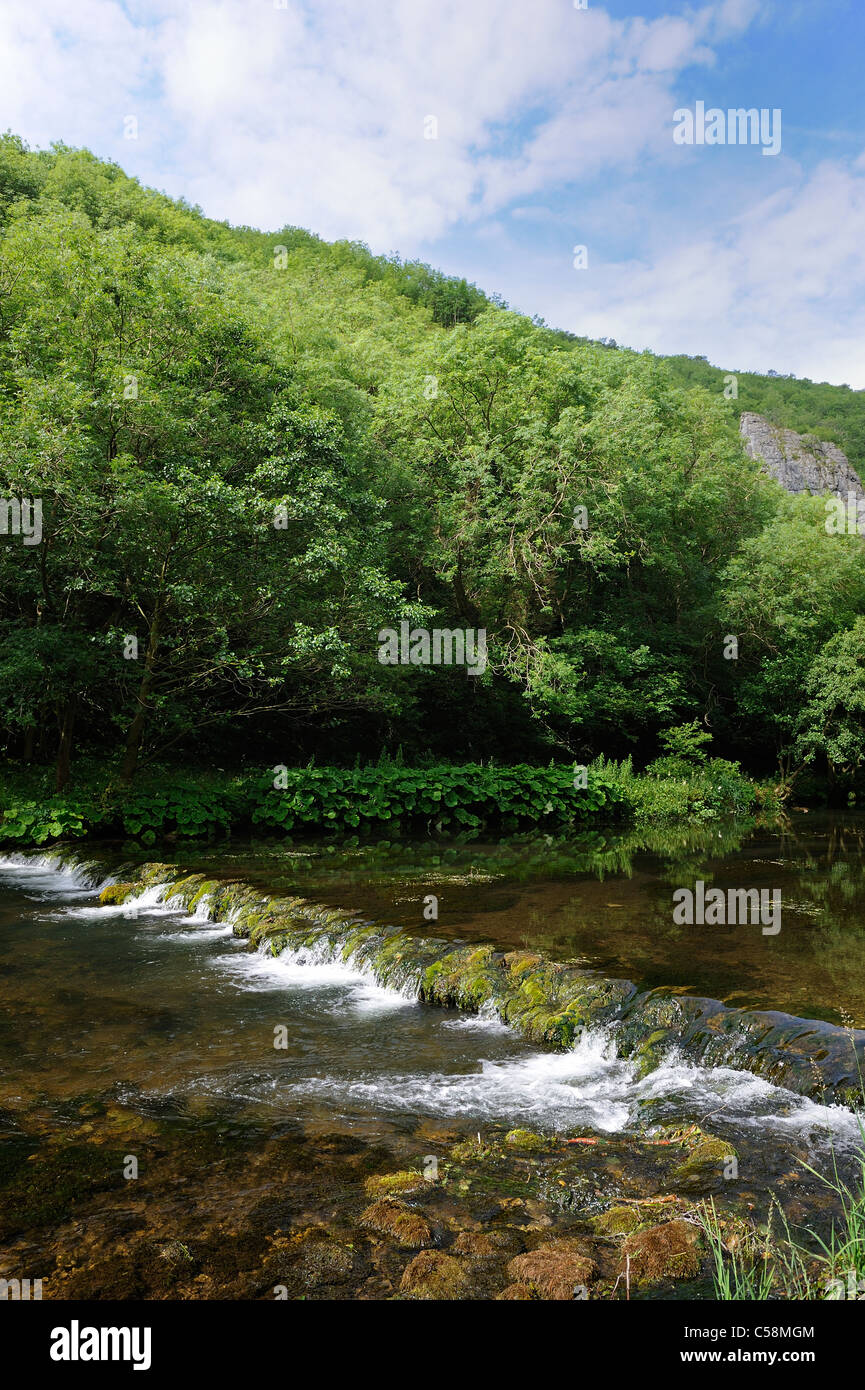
254,452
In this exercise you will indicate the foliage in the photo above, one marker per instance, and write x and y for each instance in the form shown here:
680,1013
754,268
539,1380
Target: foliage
439,797
443,796
255,451
832,722
686,741
675,790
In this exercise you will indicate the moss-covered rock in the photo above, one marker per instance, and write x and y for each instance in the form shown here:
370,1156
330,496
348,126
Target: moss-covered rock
182,889
475,1243
623,1219
470,1151
434,1275
616,1221
157,872
649,1052
207,889
390,1217
668,1251
117,893
526,1139
707,1158
388,1184
557,1270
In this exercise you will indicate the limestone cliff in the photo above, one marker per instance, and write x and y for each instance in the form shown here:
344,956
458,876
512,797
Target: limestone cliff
799,462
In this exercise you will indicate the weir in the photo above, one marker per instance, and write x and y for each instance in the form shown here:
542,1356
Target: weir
548,1002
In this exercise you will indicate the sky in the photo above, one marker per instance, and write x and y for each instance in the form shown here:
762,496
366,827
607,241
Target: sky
493,137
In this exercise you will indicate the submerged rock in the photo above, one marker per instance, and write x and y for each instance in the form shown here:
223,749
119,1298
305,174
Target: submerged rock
386,1184
433,1275
526,1139
475,1243
393,1218
557,1270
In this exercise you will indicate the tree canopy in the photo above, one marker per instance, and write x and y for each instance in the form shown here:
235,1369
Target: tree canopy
254,451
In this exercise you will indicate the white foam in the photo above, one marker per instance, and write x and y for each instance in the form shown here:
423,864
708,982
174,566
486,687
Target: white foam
201,912
725,1094
486,1020
195,932
149,902
591,1086
313,968
554,1090
46,875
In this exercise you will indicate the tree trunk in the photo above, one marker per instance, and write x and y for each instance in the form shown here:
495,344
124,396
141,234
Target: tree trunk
64,752
136,728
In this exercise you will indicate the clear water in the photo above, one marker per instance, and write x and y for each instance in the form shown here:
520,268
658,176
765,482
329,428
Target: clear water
156,1004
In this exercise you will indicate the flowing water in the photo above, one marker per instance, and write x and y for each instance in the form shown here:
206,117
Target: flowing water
162,1014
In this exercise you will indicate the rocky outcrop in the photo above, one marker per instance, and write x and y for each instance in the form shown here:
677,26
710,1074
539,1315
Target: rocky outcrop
799,462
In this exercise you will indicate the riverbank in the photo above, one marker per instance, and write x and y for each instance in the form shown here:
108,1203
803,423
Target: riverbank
182,802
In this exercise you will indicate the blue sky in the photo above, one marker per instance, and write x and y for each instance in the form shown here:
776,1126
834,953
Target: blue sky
554,130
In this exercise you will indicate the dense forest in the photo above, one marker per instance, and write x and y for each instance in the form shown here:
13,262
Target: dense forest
253,452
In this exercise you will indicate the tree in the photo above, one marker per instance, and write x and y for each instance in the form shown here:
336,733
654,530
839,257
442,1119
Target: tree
832,723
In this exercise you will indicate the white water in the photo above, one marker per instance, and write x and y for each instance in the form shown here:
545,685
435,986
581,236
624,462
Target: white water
313,968
46,875
592,1087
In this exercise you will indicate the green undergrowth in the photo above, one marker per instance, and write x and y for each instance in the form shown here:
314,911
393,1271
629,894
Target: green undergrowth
441,798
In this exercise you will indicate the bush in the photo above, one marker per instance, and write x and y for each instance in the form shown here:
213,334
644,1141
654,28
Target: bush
442,797
675,789
447,797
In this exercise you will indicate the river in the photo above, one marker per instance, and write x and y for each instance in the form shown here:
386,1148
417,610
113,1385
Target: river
143,1027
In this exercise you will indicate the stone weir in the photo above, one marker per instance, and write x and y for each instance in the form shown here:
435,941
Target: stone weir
547,1001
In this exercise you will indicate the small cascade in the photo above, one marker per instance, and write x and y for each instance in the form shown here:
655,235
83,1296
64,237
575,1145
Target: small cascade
548,1002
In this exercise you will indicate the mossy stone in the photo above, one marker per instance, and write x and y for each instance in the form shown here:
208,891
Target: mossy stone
116,893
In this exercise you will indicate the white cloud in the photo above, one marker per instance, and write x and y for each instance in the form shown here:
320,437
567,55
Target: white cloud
313,114
778,286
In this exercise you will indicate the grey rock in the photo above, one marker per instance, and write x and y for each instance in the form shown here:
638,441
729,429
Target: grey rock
799,462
